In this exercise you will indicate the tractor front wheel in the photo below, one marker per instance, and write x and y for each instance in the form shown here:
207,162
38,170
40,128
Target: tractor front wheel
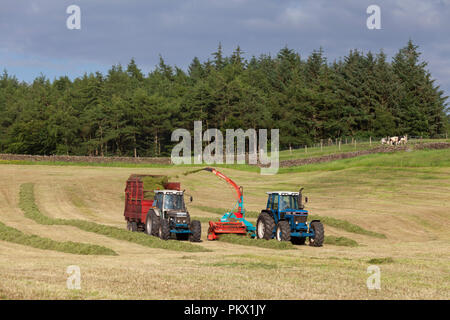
265,226
196,231
164,229
152,223
283,232
319,235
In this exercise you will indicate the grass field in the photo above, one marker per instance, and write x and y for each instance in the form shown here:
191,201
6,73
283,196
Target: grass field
391,210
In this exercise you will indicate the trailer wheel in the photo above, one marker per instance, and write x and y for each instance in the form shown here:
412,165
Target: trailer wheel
298,240
265,226
283,232
134,226
152,223
196,231
129,226
317,240
164,229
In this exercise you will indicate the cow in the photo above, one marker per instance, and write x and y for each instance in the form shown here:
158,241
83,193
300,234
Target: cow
394,141
403,140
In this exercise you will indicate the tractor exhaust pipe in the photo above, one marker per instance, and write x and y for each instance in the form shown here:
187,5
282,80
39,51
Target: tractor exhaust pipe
300,200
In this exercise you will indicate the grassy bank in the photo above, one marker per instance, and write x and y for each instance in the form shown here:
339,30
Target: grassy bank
399,159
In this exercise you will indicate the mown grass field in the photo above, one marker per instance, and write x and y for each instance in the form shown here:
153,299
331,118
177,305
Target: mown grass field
395,207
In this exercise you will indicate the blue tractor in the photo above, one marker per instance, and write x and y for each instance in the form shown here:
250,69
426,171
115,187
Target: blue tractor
286,220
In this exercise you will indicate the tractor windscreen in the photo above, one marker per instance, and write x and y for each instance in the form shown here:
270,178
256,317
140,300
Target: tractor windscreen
173,202
289,202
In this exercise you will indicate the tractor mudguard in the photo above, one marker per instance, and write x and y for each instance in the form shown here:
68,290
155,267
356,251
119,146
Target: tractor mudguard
156,210
269,212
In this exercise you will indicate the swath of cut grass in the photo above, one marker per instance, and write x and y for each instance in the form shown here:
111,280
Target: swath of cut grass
346,226
381,260
332,222
201,219
340,241
246,241
31,211
245,265
16,236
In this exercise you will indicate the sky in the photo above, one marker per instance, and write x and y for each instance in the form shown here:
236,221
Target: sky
35,40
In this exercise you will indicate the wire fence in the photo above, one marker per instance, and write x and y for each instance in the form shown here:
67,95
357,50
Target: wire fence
343,143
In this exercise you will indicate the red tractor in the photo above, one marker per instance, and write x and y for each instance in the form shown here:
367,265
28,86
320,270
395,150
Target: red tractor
163,213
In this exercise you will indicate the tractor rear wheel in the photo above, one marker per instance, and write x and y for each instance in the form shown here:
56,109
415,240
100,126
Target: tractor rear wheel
152,223
283,232
265,226
164,229
319,235
196,231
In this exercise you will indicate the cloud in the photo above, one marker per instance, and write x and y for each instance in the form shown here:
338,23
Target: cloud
34,32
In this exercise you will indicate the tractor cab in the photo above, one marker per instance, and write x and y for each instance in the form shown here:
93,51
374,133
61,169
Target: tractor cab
281,202
169,200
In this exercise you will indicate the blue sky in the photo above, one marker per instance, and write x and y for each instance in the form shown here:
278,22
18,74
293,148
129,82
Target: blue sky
35,39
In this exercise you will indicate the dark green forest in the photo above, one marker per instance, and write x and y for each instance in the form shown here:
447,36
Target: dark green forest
126,112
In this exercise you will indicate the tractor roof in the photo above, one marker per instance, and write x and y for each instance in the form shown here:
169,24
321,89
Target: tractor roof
285,193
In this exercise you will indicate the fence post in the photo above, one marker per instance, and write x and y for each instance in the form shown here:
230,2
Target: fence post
370,139
306,148
339,144
321,145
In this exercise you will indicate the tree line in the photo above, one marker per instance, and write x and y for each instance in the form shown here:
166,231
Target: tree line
128,113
